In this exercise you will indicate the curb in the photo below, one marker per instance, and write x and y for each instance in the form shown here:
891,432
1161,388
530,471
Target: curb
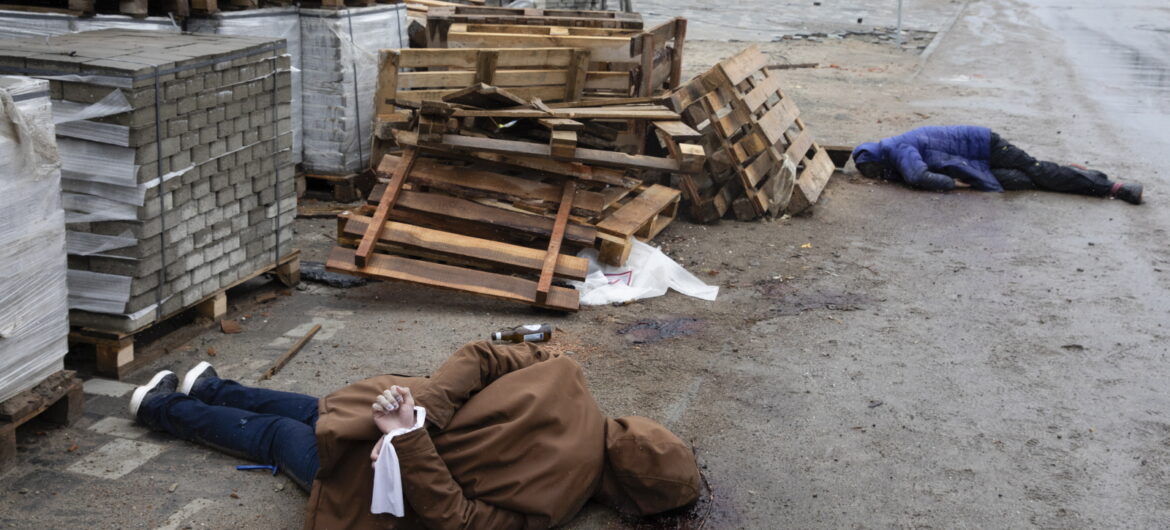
938,37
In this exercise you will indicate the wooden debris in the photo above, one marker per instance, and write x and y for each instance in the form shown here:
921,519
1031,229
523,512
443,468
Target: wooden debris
288,355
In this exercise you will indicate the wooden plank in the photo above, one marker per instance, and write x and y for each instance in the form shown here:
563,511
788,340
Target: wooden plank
443,243
387,267
778,119
799,147
467,58
811,182
561,124
743,64
388,198
676,57
551,92
601,49
586,113
576,170
554,243
634,214
437,205
543,30
678,131
762,92
433,173
387,90
587,156
485,97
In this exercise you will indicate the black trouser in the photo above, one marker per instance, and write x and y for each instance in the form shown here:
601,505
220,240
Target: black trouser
1017,170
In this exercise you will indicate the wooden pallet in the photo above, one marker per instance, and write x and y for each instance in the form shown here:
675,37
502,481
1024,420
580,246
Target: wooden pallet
643,217
59,399
624,62
115,348
760,155
440,18
454,243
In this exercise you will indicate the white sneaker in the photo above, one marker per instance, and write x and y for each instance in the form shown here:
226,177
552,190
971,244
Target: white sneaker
200,372
163,382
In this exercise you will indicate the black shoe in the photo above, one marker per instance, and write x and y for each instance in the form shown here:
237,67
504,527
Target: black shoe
197,376
161,384
1130,192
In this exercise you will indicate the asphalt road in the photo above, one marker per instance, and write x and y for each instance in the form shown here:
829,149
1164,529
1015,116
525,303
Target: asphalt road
896,359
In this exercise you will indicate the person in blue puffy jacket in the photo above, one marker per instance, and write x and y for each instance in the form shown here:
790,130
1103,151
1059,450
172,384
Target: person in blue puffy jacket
943,157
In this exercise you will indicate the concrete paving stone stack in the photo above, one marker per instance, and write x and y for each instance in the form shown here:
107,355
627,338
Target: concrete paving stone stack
276,22
177,173
339,54
34,315
21,24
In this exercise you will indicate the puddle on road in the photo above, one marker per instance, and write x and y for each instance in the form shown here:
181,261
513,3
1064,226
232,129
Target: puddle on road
647,331
791,299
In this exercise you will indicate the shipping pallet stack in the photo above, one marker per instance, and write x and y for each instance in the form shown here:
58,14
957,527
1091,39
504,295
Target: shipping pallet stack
177,178
499,186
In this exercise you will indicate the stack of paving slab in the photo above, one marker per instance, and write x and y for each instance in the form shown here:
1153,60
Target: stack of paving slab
21,24
276,22
34,316
177,173
339,54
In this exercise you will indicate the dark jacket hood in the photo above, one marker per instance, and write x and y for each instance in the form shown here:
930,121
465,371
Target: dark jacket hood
867,152
648,469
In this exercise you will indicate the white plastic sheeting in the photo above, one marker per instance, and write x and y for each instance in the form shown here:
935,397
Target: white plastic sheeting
34,317
647,273
277,22
339,58
20,24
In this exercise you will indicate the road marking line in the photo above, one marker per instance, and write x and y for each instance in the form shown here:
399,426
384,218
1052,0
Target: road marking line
115,459
191,508
120,427
108,387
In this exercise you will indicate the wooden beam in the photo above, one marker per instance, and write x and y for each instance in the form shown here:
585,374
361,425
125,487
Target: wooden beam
389,197
554,243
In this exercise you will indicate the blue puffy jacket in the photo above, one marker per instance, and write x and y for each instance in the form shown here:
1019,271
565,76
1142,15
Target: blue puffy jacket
917,157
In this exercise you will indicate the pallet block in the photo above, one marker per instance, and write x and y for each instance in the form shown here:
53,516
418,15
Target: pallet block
115,349
642,217
59,399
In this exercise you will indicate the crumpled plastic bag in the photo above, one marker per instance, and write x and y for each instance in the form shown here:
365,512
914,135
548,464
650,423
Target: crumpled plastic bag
647,273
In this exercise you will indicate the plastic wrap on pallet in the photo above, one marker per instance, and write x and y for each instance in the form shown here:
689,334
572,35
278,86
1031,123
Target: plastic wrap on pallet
21,24
339,55
278,22
34,322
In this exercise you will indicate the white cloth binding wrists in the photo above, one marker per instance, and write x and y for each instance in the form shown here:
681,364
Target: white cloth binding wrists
387,476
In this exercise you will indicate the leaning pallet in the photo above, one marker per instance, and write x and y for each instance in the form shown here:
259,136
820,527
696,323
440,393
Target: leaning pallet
652,59
59,398
761,158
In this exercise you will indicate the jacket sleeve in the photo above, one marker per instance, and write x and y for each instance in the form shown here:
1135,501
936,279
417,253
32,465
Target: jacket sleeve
468,371
915,172
437,499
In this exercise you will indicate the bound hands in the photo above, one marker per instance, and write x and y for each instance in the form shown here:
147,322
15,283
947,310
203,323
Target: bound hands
393,409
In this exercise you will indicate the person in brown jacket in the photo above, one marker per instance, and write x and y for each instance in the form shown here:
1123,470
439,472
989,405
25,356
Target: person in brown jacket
512,439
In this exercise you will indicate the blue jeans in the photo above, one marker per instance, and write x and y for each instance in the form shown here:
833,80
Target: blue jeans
266,426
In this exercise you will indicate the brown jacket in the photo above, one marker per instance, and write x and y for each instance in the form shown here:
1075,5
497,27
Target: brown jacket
514,440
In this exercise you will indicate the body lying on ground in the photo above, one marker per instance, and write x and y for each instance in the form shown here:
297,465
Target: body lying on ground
943,157
501,437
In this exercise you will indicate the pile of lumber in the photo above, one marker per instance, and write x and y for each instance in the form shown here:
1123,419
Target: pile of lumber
494,194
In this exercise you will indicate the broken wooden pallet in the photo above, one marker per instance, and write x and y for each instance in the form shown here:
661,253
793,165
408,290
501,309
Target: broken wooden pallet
642,217
623,62
418,234
752,134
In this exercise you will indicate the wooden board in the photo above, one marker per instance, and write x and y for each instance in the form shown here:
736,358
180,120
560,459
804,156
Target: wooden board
511,147
467,248
511,288
643,217
440,19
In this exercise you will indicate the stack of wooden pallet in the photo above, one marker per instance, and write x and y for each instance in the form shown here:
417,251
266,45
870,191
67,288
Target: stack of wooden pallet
494,192
761,158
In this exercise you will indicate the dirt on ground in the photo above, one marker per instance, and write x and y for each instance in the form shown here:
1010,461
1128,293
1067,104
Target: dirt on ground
893,359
